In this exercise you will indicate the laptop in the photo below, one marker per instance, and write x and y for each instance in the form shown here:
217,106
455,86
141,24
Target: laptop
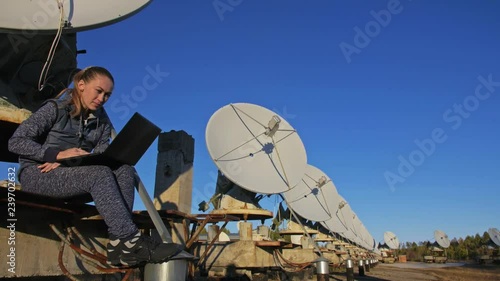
126,148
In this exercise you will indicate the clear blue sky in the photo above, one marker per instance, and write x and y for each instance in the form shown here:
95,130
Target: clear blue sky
361,88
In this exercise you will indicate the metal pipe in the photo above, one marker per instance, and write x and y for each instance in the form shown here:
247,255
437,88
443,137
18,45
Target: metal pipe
367,265
322,269
361,268
153,213
171,270
349,270
174,270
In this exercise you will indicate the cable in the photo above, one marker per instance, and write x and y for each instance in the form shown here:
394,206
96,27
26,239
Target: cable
53,47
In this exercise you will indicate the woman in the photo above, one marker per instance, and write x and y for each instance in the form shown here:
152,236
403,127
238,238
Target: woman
78,125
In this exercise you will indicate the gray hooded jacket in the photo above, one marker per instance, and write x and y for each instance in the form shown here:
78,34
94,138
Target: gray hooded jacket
51,129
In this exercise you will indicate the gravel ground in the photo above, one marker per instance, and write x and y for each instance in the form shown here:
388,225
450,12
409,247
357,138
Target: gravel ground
427,272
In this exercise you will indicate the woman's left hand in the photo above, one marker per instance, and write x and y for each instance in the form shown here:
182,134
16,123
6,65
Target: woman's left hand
47,166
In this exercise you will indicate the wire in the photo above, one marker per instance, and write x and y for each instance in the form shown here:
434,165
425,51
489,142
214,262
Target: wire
53,47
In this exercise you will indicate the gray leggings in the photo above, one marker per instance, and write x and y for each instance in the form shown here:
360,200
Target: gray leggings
112,191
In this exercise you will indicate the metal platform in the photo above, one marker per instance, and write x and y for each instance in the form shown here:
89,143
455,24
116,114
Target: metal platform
245,214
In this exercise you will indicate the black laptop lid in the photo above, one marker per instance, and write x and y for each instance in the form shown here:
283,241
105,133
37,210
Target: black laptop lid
126,148
133,140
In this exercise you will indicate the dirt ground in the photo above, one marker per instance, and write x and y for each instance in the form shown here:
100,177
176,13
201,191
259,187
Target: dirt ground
424,272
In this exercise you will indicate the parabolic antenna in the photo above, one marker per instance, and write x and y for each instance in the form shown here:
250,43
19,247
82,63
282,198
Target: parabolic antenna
346,215
74,15
494,235
335,202
256,148
349,235
391,240
373,245
442,239
307,198
356,225
366,237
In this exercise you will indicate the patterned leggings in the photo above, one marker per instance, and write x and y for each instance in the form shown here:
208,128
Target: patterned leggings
112,191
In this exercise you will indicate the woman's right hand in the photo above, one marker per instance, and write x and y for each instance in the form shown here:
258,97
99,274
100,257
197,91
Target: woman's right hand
71,152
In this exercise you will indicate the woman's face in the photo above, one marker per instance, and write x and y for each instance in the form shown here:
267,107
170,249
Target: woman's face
95,92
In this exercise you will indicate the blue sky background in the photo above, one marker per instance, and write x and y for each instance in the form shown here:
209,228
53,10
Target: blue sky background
359,115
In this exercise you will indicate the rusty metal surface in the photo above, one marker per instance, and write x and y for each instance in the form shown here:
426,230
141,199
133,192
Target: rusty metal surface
245,214
202,220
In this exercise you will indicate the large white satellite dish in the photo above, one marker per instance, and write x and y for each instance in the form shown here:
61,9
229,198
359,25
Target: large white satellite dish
366,237
75,15
442,239
391,240
346,215
308,198
349,235
356,225
373,245
494,235
335,202
256,148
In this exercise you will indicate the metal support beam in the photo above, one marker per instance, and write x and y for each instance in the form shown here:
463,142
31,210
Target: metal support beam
153,213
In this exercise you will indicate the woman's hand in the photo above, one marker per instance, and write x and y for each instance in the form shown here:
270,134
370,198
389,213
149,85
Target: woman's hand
47,167
70,152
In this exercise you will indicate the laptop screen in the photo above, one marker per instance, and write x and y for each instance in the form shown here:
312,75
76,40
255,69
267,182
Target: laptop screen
126,148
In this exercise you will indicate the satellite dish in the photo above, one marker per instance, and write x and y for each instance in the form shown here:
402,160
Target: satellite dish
255,148
346,216
373,246
335,202
77,15
308,198
349,235
367,240
391,240
494,235
442,239
356,225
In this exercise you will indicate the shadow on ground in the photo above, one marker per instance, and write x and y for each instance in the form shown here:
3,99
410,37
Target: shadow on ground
342,277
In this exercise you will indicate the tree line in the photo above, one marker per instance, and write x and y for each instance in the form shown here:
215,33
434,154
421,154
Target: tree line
469,248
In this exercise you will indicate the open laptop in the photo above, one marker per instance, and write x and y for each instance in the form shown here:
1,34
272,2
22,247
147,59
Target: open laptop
126,148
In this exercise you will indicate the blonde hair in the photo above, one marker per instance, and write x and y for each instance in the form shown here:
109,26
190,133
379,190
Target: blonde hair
86,74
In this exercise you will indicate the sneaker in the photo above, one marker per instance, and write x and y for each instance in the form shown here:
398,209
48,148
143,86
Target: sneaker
114,251
139,250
